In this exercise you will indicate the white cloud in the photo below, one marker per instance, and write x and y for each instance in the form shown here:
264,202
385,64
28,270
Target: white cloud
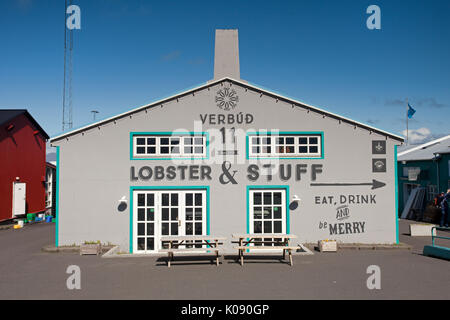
418,136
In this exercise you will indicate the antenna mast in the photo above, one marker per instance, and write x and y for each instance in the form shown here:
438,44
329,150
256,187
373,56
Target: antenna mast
67,84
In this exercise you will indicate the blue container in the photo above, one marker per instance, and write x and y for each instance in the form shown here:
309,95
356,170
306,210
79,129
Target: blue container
48,219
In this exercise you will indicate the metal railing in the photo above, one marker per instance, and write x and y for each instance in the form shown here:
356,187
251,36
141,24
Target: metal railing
435,236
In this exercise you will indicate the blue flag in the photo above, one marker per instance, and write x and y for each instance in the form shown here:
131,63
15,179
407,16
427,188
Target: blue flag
411,111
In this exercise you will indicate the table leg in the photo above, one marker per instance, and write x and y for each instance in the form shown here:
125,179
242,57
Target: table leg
290,258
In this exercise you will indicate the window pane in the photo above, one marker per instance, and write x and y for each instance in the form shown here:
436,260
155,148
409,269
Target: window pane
141,214
267,212
189,228
280,149
150,229
267,198
188,141
140,141
198,214
198,199
313,140
150,214
140,150
257,227
255,149
141,243
313,149
198,141
257,213
175,150
255,140
290,140
141,199
150,244
188,150
198,150
257,197
277,198
189,199
198,228
165,199
267,226
266,149
174,228
151,150
164,150
174,199
303,140
151,141
175,141
165,229
189,214
280,140
141,229
150,199
165,214
277,212
266,140
277,226
174,214
290,149
164,141
303,150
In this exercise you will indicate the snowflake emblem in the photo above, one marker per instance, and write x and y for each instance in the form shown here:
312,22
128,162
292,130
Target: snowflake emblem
379,147
226,99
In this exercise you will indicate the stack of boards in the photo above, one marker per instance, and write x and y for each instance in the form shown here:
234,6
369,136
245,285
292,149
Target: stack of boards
414,206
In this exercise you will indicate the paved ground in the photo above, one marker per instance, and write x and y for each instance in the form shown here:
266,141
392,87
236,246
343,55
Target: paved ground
28,273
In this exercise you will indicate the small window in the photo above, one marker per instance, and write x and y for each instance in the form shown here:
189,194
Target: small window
284,145
169,145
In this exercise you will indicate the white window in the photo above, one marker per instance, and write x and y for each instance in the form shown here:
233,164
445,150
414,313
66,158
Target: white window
170,145
283,145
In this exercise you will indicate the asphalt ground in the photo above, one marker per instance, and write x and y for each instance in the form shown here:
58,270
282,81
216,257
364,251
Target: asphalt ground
26,272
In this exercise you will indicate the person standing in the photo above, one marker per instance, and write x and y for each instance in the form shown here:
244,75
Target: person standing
444,210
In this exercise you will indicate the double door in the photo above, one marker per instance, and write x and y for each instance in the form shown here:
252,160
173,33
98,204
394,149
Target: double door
159,213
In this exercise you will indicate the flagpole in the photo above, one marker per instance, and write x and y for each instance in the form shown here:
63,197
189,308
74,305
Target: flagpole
407,131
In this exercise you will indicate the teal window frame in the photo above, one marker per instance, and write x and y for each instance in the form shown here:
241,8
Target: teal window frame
269,133
262,187
169,133
156,188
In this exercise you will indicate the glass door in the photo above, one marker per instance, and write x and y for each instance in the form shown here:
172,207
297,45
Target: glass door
267,211
159,213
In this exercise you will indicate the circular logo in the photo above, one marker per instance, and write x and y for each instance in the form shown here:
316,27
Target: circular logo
226,99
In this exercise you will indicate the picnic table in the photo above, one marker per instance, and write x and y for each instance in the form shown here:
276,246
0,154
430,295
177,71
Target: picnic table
192,244
264,241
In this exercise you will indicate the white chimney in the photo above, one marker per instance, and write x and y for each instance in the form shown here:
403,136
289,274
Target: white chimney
226,57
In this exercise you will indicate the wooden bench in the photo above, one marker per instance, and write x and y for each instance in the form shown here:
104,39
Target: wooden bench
209,245
245,241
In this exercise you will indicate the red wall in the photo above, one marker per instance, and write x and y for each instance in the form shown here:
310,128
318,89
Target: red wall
22,154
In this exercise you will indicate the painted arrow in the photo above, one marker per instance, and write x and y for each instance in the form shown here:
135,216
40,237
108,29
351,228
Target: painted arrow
375,184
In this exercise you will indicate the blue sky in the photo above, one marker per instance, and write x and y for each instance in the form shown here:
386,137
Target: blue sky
129,53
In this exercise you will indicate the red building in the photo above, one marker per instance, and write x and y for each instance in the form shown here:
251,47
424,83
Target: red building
22,164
